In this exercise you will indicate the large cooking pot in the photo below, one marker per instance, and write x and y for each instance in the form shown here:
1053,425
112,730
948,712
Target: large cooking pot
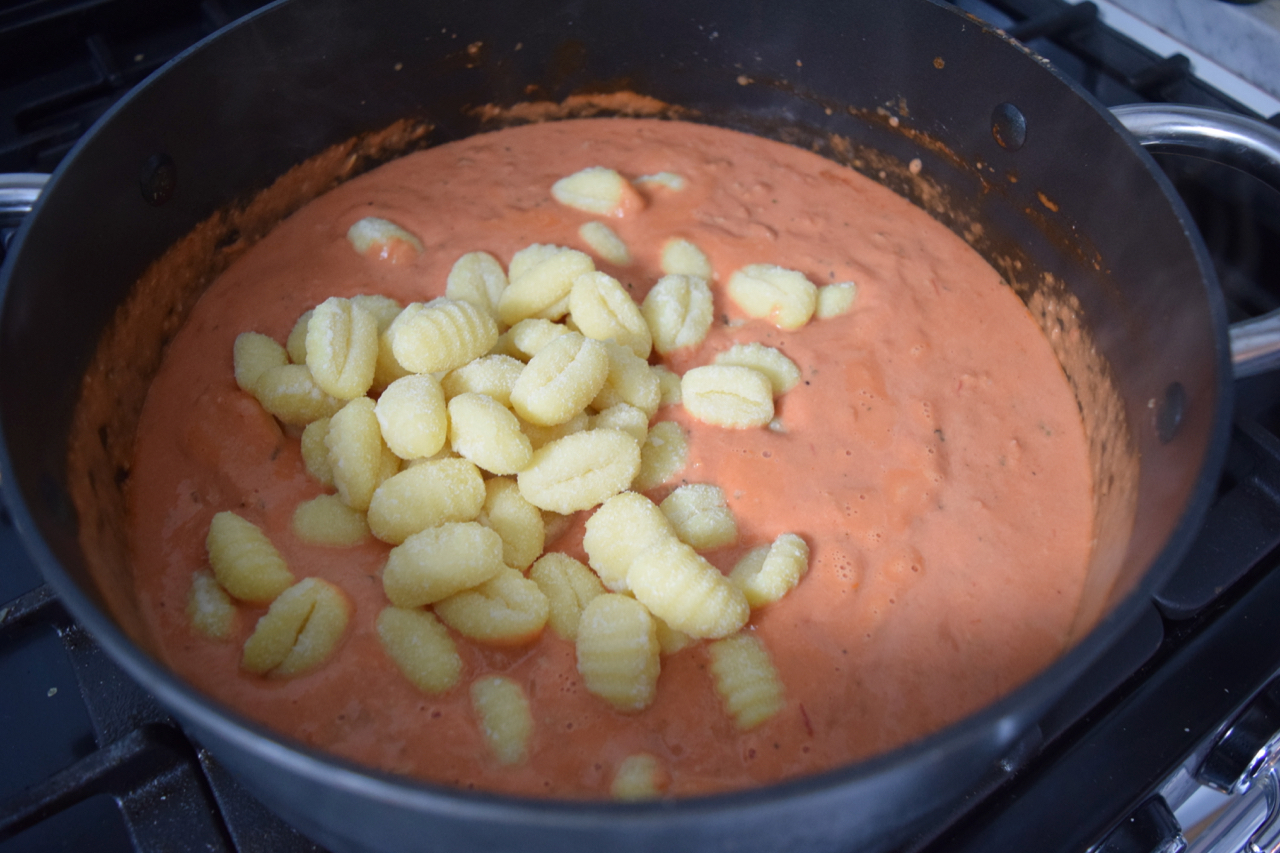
1045,184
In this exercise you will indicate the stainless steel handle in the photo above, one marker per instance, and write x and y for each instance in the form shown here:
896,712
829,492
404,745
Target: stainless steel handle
1244,143
18,192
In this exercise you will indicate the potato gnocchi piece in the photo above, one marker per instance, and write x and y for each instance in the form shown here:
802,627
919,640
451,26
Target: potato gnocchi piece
326,520
540,288
669,180
624,417
630,380
746,680
835,299
486,432
342,348
561,380
506,610
357,453
569,587
412,416
662,455
529,257
491,375
617,533
767,574
580,470
253,355
727,396
209,608
383,308
601,239
682,589
681,257
438,562
426,495
431,337
296,344
420,647
315,452
505,720
244,561
513,518
529,336
477,277
597,190
668,385
639,777
383,240
679,310
618,652
290,394
700,516
781,371
602,309
387,370
540,436
299,631
766,292
671,640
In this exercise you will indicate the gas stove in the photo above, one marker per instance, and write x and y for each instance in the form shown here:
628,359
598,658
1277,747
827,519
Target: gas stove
1168,743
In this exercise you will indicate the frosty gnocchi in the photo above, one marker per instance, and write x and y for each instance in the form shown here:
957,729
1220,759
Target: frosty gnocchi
244,561
299,631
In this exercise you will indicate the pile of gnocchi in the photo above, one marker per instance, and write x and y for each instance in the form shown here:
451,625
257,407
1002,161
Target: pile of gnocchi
464,431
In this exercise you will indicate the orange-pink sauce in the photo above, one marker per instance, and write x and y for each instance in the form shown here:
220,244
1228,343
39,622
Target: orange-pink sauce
933,458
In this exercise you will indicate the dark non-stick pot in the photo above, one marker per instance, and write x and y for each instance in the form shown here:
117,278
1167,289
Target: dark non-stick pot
1042,182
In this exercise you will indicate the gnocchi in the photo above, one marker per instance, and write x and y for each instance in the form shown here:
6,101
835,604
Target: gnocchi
429,494
542,289
781,371
561,380
679,310
602,309
440,335
492,375
700,516
289,393
326,520
767,574
513,518
381,239
486,432
835,299
244,561
783,297
662,455
682,589
254,354
210,609
580,471
569,587
604,242
505,720
477,277
412,416
358,457
342,348
618,652
727,396
597,190
624,527
438,562
299,631
420,647
682,257
746,680
506,610
639,777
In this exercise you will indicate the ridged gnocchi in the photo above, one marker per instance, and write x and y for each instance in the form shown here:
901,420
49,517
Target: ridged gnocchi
486,432
505,720
618,652
597,190
621,529
539,286
420,647
639,777
602,309
299,631
210,609
746,680
491,375
478,278
767,292
440,335
662,455
604,242
342,348
682,257
682,589
580,471
506,610
630,380
727,396
358,457
513,518
569,587
326,520
253,355
244,561
438,562
700,516
679,310
767,574
561,380
382,239
781,371
429,494
291,395
412,416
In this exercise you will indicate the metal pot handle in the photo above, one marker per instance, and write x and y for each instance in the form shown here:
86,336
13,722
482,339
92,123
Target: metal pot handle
1247,144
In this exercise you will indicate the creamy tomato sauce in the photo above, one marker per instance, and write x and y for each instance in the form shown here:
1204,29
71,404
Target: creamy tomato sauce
932,457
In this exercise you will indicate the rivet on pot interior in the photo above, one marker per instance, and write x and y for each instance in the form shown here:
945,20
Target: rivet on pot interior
1009,126
1170,411
159,179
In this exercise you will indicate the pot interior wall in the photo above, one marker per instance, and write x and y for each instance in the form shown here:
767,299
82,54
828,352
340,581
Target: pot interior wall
1072,217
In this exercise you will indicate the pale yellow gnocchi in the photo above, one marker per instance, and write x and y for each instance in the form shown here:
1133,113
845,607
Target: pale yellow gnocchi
781,371
326,520
342,348
700,516
440,335
438,562
254,354
679,310
580,471
561,380
505,720
621,529
604,242
597,190
618,652
244,561
428,494
412,416
506,610
526,339
296,344
299,631
746,680
602,309
835,299
486,432
684,590
420,647
382,239
358,457
210,609
630,380
767,292
539,285
682,257
569,587
315,452
493,375
624,417
662,456
639,777
513,518
290,394
767,574
478,278
727,396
